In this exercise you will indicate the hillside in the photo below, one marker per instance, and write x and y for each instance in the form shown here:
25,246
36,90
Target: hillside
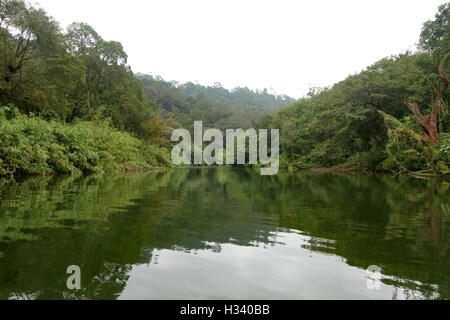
391,117
216,106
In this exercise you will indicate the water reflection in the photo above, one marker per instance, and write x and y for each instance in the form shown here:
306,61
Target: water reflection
225,233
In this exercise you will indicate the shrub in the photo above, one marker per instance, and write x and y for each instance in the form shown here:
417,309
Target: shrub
33,145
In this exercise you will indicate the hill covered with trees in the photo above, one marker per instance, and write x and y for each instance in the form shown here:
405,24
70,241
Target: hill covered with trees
393,116
217,107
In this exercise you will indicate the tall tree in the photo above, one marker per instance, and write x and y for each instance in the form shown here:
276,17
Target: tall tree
97,55
26,34
435,36
36,72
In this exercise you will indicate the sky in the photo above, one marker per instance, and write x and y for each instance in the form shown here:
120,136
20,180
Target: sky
284,46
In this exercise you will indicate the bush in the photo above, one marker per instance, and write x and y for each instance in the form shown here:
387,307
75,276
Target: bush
33,145
442,155
406,149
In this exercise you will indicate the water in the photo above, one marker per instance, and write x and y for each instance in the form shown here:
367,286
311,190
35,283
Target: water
225,234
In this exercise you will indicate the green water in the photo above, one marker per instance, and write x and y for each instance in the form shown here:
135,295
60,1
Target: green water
225,234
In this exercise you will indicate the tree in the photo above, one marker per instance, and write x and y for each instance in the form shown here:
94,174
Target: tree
26,34
99,57
435,36
36,72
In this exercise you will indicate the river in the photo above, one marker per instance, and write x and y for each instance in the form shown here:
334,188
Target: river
225,233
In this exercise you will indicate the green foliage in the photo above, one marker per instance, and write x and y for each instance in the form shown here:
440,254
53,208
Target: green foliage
32,145
406,149
36,71
442,153
435,36
327,129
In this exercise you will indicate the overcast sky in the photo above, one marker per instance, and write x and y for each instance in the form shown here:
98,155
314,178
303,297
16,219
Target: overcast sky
289,46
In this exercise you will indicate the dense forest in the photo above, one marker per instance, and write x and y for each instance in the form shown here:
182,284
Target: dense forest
70,102
217,107
393,116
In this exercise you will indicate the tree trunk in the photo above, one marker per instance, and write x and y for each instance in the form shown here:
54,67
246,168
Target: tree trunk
430,122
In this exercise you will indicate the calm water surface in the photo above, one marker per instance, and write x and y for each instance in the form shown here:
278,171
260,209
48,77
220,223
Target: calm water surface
225,234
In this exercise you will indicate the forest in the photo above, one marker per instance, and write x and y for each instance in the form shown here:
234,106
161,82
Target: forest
214,105
71,103
391,117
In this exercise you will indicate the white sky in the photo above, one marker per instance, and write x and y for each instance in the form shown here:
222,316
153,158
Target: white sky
289,46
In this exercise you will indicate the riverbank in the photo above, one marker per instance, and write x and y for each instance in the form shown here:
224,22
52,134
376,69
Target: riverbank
353,170
31,145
